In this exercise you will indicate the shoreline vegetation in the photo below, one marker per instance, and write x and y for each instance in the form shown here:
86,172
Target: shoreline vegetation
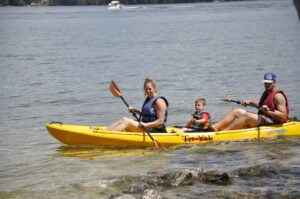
96,2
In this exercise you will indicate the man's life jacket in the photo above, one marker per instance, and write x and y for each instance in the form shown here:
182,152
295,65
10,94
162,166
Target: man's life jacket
268,100
198,116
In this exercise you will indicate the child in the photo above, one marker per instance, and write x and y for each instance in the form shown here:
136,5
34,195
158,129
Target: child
201,119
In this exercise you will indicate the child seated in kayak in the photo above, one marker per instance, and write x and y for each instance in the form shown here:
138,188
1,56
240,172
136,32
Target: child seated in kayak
200,120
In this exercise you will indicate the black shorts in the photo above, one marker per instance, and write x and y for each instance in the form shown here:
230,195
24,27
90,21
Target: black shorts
265,121
159,129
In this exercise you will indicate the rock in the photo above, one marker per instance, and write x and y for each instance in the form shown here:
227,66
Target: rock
138,188
179,178
151,194
124,196
256,171
214,178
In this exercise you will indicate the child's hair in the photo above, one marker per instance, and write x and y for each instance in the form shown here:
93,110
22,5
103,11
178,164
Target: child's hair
149,80
201,100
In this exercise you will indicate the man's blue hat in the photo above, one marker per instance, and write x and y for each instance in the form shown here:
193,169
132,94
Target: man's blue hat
269,78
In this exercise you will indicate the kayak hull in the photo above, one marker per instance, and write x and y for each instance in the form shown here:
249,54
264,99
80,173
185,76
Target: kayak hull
98,135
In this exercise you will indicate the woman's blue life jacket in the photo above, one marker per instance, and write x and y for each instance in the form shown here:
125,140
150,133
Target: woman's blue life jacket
198,116
149,113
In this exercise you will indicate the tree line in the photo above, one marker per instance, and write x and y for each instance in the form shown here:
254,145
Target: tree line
92,2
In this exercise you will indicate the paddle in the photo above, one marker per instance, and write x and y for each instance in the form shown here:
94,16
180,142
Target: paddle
237,102
114,89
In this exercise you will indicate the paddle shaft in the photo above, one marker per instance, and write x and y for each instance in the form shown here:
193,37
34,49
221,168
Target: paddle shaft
239,102
235,101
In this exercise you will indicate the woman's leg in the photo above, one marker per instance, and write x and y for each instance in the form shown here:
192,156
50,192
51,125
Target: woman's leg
114,125
124,124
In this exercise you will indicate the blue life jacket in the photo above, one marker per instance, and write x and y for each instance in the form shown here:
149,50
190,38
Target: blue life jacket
198,116
149,113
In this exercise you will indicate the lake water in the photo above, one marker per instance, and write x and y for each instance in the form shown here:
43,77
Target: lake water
56,64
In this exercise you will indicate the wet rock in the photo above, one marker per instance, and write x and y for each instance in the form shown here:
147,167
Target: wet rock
233,194
214,177
138,188
155,180
179,178
151,194
256,171
121,196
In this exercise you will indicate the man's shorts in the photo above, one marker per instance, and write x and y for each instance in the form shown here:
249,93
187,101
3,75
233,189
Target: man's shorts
265,121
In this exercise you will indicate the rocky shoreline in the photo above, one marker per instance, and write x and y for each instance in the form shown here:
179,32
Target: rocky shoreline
151,187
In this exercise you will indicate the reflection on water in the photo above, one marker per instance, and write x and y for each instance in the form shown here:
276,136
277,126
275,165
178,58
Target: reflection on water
93,153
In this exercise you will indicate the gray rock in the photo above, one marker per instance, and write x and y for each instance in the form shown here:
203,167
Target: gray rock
138,188
151,194
256,171
214,177
125,196
179,178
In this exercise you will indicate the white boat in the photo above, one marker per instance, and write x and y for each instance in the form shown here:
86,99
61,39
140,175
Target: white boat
115,5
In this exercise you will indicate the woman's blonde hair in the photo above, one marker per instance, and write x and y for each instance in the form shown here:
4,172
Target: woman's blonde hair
153,83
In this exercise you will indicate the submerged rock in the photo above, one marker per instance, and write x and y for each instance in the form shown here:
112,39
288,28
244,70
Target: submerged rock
214,177
138,187
256,171
122,196
143,186
179,178
151,194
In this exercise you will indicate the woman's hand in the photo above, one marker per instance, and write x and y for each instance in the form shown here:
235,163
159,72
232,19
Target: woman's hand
141,124
131,109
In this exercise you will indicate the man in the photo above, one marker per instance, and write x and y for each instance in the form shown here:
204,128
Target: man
273,109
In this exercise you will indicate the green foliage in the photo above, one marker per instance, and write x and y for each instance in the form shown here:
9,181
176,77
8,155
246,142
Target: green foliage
16,2
4,2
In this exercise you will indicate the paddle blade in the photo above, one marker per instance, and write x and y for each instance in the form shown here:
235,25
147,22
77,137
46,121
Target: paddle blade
226,100
158,146
114,89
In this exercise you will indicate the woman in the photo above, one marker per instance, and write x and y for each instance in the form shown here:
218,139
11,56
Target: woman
153,116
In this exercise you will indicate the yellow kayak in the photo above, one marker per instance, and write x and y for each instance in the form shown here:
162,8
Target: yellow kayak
97,135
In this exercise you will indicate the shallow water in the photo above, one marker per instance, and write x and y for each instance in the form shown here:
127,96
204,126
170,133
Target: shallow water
56,64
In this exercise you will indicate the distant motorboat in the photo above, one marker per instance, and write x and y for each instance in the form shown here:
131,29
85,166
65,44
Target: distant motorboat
115,5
